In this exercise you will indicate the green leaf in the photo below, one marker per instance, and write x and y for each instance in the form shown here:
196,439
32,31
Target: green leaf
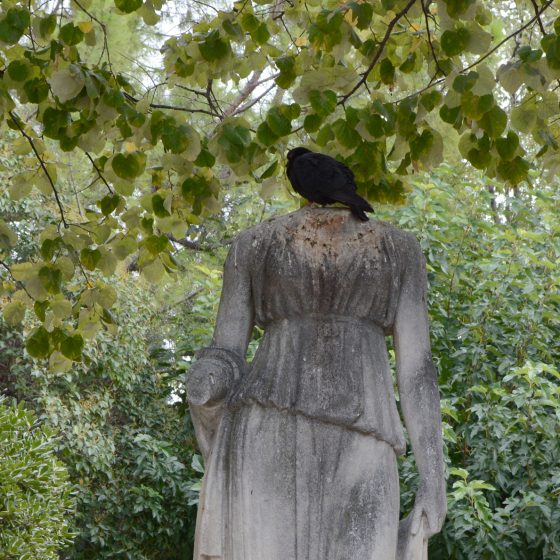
345,134
129,166
154,271
421,145
524,118
66,84
269,171
232,28
409,64
507,147
430,100
551,46
455,42
213,47
514,171
323,102
493,122
8,238
40,308
156,243
387,71
71,347
325,135
36,89
37,344
19,70
234,139
195,186
205,159
261,34
51,278
362,12
13,25
55,122
158,206
474,107
249,22
108,203
90,257
465,82
278,123
286,65
451,115
480,159
265,135
455,8
312,123
128,6
47,25
71,34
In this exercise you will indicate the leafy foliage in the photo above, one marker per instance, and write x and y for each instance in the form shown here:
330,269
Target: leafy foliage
378,85
115,165
494,311
35,494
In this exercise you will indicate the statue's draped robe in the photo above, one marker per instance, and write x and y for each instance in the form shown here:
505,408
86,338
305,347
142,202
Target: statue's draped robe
301,455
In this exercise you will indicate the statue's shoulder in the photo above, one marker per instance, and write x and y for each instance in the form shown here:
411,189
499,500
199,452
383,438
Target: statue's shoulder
404,244
262,231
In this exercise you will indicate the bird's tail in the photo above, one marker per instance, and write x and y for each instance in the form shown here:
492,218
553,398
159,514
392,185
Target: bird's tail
359,207
359,213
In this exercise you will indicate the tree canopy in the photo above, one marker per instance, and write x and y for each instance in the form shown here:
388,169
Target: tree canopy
389,87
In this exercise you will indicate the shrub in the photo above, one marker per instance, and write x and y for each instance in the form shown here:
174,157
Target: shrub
36,502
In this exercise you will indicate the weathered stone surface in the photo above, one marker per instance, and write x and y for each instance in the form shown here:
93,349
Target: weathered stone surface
300,445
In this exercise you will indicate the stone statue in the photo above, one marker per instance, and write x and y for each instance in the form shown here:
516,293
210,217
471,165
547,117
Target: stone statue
300,445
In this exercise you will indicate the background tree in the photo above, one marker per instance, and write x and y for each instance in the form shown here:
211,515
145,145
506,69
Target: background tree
378,85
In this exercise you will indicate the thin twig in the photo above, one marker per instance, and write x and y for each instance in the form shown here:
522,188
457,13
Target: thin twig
162,106
99,172
425,10
254,101
379,52
16,120
16,281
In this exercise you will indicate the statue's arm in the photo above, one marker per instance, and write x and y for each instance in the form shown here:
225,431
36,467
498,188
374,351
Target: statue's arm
213,373
418,390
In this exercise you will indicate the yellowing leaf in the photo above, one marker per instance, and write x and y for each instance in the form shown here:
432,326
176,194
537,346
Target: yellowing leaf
14,312
58,363
85,26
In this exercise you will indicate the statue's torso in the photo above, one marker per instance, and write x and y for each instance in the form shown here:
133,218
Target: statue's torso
325,288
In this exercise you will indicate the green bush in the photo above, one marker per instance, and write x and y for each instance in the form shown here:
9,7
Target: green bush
35,495
495,324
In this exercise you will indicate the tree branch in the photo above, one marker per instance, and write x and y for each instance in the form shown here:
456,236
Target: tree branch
536,8
17,120
485,55
254,101
247,90
379,52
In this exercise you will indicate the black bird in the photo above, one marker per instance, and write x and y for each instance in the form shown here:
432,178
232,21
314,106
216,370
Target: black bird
324,180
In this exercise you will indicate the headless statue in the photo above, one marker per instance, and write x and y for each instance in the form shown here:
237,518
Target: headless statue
301,444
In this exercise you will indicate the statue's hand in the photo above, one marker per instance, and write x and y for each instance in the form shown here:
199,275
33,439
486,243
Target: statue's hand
208,381
430,508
